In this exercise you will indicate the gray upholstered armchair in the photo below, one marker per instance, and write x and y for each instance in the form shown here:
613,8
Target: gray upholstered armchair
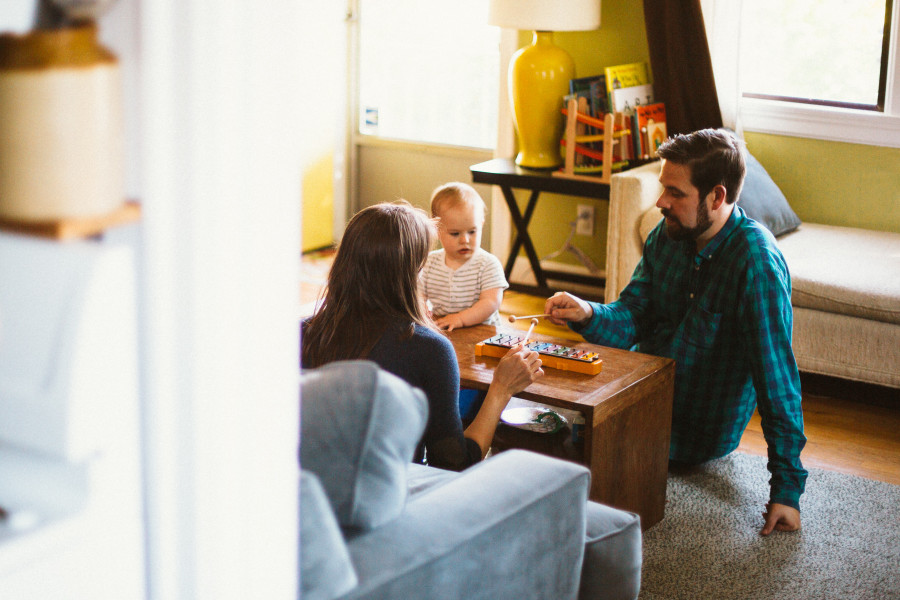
374,525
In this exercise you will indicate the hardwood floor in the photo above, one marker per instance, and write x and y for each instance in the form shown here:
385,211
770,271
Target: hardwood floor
851,428
848,433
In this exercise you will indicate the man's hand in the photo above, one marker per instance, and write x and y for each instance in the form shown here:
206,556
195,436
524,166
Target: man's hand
780,517
564,308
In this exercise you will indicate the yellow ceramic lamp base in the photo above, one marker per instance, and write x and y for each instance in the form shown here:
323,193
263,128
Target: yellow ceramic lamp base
538,79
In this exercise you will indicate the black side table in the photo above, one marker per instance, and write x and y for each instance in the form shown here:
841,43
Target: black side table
504,173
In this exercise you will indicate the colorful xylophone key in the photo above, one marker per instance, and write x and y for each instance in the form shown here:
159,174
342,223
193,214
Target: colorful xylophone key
553,355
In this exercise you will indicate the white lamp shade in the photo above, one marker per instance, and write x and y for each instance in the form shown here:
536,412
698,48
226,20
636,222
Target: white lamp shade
545,15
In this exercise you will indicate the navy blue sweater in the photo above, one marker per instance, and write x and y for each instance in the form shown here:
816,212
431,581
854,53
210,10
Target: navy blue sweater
427,361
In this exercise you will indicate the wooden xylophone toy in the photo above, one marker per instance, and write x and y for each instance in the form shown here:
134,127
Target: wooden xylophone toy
552,355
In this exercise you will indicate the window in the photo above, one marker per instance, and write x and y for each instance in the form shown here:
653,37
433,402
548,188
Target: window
428,72
828,52
824,69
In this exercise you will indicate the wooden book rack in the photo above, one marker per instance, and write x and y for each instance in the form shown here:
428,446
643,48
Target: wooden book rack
612,128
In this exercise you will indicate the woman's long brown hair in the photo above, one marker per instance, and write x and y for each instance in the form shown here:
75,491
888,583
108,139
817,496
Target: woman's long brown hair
373,282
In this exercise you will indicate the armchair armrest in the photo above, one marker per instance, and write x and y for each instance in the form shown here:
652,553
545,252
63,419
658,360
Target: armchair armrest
510,527
632,194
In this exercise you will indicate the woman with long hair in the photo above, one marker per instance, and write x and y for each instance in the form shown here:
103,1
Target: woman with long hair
372,310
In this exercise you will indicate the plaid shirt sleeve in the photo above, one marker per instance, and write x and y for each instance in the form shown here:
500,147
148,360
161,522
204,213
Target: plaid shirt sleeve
619,324
767,317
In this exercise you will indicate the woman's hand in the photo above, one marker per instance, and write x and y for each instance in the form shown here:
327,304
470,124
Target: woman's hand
518,369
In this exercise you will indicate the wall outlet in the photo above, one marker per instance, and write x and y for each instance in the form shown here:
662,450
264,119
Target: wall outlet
584,220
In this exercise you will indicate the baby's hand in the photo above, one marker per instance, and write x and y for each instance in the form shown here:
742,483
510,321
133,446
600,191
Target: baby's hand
450,322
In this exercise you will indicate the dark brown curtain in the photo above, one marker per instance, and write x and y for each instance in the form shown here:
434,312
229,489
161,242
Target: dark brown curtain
682,69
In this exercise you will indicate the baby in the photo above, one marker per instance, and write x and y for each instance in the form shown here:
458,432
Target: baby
462,282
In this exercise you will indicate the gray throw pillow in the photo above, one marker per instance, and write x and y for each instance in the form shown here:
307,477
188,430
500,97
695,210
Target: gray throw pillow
359,426
763,201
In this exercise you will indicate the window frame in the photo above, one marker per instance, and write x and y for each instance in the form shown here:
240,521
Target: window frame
834,123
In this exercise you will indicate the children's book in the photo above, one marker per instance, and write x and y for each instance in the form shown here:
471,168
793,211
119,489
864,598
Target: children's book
594,89
599,105
656,135
581,88
625,100
625,76
637,140
651,122
591,95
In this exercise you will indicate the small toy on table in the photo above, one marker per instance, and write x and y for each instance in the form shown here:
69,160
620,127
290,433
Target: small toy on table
553,355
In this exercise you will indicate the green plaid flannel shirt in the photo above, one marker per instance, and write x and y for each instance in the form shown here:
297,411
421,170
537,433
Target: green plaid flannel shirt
724,315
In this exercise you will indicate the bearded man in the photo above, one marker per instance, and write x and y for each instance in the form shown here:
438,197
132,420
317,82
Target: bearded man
711,291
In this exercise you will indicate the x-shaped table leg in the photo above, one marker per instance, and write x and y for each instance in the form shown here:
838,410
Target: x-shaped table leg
522,237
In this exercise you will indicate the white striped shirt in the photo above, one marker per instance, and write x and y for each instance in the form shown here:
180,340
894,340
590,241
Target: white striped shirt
453,291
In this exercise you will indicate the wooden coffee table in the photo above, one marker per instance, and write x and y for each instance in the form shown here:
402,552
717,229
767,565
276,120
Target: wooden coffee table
627,410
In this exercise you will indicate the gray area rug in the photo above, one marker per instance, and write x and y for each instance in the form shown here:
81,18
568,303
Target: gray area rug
708,545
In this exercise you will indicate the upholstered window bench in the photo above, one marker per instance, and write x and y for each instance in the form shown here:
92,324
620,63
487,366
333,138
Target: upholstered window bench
846,281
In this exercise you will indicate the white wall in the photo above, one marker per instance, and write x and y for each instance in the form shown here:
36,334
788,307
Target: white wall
216,107
323,54
221,129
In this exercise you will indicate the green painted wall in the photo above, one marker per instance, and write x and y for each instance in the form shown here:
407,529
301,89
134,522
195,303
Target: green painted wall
825,182
620,39
834,183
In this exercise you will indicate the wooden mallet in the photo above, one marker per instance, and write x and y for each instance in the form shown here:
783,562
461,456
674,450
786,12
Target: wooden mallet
514,318
534,322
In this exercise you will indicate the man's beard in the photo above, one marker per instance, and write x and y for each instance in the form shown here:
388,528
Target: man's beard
678,232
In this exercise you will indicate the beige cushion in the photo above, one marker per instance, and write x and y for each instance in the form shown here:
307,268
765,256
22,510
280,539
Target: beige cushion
648,222
847,347
845,270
